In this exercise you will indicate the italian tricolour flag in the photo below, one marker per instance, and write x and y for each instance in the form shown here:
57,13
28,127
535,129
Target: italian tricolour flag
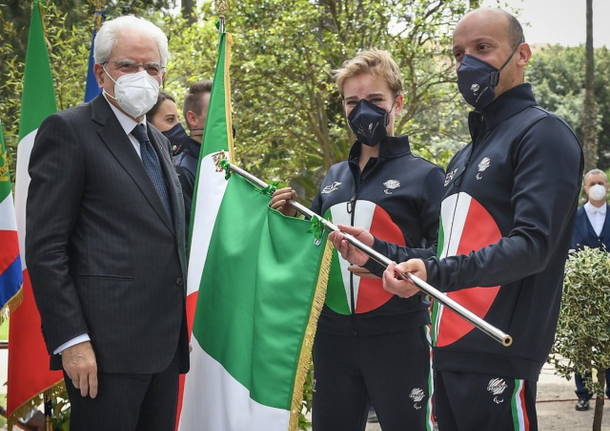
28,359
256,279
10,262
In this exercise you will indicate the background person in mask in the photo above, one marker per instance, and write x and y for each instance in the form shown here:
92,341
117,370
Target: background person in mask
186,155
371,347
592,229
164,114
105,242
507,216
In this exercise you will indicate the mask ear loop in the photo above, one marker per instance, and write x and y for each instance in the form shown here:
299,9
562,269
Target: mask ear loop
495,75
112,79
198,135
387,115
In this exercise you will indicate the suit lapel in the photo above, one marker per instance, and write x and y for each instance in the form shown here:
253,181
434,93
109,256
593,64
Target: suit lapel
605,233
113,136
590,229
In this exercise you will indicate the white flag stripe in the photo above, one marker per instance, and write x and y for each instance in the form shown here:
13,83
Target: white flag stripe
210,191
225,404
7,214
22,183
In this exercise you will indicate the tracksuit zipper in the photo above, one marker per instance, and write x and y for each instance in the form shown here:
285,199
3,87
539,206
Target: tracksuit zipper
351,209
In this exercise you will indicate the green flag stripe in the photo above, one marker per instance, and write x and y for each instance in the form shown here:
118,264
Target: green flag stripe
38,99
218,121
215,136
5,181
264,314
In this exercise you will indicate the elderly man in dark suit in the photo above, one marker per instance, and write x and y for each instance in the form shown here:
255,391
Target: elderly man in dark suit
106,244
592,229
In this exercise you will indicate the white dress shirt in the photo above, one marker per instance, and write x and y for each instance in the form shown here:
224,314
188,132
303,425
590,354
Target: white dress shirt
597,216
128,124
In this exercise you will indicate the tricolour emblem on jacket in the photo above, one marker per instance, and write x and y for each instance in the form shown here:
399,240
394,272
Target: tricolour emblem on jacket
465,226
368,293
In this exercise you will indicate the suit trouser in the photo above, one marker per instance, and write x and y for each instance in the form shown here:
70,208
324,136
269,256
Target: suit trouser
127,402
389,371
581,390
475,402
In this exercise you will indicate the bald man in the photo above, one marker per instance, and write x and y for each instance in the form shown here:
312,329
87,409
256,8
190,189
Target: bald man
506,222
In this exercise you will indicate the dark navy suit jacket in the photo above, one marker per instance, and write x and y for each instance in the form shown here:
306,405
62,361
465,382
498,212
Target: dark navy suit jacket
584,235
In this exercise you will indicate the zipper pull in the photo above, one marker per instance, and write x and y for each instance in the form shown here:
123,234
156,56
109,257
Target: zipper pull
350,204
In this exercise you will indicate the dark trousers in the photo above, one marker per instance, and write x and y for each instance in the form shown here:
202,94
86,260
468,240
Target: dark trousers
127,402
391,372
581,391
473,402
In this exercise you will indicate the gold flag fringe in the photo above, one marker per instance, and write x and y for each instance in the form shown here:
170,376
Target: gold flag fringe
56,390
11,305
310,333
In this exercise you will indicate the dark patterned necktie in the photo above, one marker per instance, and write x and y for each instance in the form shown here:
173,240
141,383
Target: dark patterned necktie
152,166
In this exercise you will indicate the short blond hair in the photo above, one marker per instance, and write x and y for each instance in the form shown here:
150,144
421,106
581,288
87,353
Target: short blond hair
375,62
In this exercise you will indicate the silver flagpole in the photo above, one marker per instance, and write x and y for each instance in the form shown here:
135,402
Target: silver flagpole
495,333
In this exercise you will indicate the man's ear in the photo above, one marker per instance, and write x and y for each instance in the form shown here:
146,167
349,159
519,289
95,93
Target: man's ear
191,119
100,75
399,103
525,53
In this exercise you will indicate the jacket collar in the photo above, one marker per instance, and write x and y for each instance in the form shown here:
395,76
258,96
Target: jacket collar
505,106
391,147
192,147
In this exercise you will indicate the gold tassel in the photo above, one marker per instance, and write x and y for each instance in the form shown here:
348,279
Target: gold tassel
11,305
310,333
54,391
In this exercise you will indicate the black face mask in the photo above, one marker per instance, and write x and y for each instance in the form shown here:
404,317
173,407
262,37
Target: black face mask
368,122
175,134
477,80
177,137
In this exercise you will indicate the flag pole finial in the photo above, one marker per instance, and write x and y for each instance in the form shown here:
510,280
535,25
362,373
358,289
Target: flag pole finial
221,8
99,6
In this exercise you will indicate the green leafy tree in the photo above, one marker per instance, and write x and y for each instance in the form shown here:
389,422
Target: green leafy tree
582,342
288,112
558,75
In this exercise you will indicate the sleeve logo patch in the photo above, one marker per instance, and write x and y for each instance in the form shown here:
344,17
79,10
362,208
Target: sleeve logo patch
331,187
449,177
483,165
496,387
390,185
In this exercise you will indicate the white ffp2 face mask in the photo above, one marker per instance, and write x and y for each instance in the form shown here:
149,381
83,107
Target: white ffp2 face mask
136,93
597,192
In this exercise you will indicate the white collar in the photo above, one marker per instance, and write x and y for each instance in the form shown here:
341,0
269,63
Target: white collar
127,123
595,210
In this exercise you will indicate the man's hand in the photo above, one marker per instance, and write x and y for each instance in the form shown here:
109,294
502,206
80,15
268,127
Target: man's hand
81,367
279,201
398,286
348,252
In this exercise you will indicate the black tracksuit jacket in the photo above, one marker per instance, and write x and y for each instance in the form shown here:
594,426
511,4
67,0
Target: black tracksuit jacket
397,198
506,223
